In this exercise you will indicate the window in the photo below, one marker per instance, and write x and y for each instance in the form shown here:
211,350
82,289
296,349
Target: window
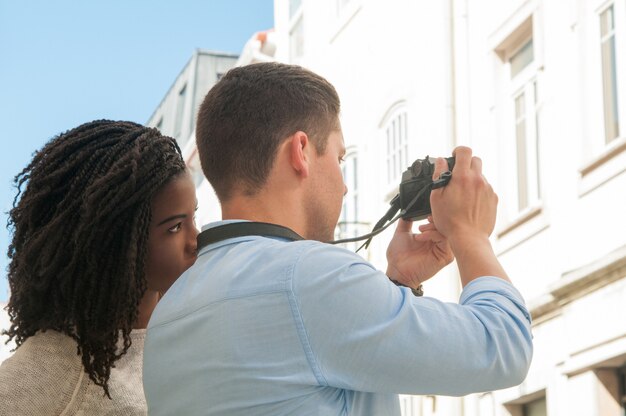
526,146
519,106
603,37
397,146
349,221
296,31
531,405
622,387
609,75
345,10
159,125
180,108
294,6
195,168
523,79
341,5
296,41
535,408
522,58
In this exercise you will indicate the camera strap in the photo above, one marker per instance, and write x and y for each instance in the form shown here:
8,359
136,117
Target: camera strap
265,229
242,229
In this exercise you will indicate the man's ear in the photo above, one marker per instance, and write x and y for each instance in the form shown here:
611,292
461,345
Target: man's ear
299,153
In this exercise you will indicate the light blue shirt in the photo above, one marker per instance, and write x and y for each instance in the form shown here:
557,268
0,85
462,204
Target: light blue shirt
264,326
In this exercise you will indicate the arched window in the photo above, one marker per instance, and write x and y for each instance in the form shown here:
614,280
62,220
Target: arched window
395,131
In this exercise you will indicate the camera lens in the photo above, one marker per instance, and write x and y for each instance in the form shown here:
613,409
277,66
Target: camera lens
416,168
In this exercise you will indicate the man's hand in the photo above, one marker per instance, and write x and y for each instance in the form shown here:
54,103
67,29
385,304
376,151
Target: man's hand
466,207
414,258
464,211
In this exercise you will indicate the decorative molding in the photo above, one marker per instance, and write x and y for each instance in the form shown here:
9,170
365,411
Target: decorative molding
579,282
616,147
524,217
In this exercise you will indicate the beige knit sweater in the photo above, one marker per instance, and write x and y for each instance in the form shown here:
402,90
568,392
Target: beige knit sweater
45,377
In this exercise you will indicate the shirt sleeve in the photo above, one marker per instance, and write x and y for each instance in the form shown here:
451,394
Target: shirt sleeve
361,332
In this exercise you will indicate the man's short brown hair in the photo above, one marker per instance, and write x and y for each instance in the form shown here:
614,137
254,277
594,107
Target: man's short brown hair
250,112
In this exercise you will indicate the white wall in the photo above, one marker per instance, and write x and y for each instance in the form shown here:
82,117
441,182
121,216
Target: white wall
567,251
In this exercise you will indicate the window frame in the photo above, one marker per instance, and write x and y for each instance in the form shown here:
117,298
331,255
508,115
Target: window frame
296,34
181,99
601,160
518,406
528,172
350,222
621,374
395,132
195,168
613,73
521,187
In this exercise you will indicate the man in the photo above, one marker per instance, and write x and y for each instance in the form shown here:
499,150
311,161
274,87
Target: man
273,324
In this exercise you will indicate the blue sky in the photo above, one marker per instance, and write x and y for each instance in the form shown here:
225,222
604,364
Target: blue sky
66,62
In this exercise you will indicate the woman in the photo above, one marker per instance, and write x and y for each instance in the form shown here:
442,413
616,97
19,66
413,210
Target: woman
103,226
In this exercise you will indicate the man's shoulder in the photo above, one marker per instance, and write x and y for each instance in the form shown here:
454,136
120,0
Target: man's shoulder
316,248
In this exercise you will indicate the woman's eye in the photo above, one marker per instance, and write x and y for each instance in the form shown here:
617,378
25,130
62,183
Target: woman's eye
175,228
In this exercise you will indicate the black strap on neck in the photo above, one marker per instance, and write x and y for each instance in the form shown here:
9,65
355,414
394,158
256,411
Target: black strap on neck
241,229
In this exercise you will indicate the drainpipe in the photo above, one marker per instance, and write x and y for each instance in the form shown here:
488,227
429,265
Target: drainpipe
455,406
450,74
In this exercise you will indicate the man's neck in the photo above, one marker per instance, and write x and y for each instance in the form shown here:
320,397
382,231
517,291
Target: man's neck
276,210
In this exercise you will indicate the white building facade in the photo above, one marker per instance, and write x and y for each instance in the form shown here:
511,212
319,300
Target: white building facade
538,89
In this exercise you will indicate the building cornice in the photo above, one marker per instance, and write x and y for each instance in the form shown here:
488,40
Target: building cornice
579,282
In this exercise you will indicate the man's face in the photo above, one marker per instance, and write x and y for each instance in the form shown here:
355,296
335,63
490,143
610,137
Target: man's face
325,196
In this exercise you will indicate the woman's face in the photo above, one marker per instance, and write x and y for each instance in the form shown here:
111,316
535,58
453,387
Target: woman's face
172,235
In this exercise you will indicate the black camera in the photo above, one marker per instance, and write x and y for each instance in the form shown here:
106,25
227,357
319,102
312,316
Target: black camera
413,199
417,182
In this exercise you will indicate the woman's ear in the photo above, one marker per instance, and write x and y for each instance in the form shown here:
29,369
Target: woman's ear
298,152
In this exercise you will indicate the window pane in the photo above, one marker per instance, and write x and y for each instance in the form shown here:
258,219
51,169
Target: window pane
522,58
395,135
522,159
520,108
622,382
388,155
296,41
397,146
406,140
341,4
294,5
537,138
522,183
196,170
609,76
607,22
535,408
180,108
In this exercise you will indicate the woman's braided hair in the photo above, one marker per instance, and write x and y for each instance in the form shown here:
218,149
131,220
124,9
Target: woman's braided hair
79,237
